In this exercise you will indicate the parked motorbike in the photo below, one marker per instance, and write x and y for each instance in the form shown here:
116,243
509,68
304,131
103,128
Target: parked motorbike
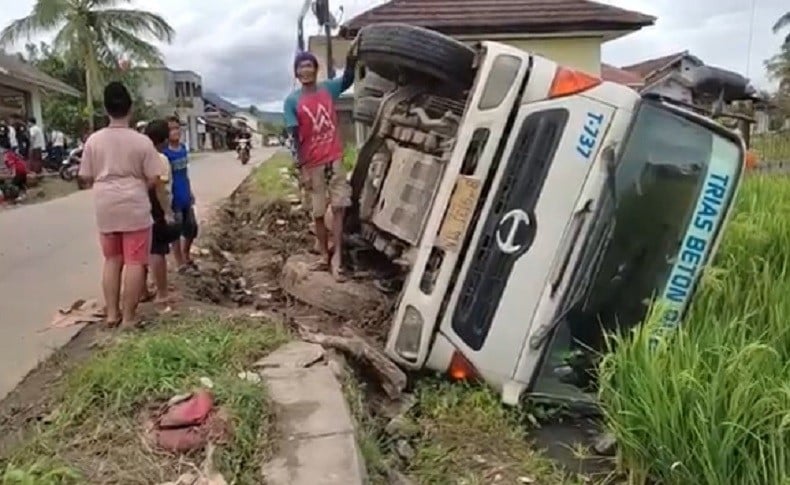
70,166
50,160
243,147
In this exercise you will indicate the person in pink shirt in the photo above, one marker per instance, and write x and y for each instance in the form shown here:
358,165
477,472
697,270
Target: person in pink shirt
121,165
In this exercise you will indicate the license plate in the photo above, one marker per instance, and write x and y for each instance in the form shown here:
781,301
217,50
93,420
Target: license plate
459,213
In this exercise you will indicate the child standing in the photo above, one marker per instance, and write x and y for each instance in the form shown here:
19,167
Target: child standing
161,211
183,198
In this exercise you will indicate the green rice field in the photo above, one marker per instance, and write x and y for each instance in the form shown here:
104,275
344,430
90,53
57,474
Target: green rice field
710,404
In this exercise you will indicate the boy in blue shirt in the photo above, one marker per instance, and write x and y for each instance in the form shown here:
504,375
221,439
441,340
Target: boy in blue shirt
183,198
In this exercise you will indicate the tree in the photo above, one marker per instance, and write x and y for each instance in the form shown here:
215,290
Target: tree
67,113
781,24
778,68
94,35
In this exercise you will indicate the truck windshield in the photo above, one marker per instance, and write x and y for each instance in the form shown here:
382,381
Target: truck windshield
673,183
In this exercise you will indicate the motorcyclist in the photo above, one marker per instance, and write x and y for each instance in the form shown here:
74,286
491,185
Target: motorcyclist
244,135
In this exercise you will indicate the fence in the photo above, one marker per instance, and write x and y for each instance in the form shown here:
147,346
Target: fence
772,148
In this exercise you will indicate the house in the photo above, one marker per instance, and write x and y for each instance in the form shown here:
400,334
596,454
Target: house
621,76
570,32
178,93
22,88
218,121
667,75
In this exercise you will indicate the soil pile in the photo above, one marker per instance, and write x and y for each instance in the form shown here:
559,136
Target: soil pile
245,248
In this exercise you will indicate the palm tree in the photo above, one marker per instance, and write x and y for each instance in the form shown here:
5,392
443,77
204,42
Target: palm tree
781,24
94,33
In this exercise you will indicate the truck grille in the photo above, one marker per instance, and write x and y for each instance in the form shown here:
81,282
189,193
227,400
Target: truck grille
519,190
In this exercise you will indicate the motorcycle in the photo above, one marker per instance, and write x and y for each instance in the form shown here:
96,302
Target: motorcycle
243,147
70,166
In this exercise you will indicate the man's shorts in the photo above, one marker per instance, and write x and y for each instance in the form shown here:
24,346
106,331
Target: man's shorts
327,183
188,221
133,246
163,235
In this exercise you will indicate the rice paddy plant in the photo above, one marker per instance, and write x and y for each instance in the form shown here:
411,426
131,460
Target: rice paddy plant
710,404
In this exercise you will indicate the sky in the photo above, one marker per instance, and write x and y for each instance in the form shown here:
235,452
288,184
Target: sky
245,53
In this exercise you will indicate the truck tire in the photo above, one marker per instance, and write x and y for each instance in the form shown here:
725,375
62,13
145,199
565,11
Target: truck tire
366,109
396,51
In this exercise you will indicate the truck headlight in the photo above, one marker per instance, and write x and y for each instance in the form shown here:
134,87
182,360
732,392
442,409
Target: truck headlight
410,335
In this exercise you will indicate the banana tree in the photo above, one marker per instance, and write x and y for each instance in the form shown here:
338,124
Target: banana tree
92,33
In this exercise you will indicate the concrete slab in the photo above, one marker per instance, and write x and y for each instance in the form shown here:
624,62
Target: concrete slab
318,444
310,401
317,461
293,355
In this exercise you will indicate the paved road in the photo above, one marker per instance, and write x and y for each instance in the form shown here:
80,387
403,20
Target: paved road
49,257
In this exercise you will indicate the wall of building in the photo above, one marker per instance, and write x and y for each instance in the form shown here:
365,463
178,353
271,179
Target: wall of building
583,53
158,86
580,52
671,88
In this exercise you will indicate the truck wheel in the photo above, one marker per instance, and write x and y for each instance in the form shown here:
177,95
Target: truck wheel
397,51
366,109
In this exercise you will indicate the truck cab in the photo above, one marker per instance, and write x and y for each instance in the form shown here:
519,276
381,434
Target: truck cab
530,208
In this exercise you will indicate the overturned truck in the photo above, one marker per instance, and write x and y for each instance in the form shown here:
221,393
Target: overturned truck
527,208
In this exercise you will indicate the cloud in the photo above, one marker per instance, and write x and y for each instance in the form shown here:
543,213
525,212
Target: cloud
244,50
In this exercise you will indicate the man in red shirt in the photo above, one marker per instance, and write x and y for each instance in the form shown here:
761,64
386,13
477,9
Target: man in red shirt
311,118
18,168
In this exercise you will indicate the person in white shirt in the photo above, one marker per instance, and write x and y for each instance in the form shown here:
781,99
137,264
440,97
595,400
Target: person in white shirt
37,146
58,144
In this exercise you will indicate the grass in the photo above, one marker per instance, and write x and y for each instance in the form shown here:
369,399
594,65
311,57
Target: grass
468,436
772,148
271,177
97,422
371,439
710,404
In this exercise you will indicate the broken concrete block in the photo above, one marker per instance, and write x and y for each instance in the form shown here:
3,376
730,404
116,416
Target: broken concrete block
293,355
319,289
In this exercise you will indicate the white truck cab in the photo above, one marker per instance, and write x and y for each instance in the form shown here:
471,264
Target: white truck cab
531,210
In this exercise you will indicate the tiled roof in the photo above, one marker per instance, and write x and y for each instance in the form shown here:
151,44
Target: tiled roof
14,67
620,76
645,68
220,103
458,17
